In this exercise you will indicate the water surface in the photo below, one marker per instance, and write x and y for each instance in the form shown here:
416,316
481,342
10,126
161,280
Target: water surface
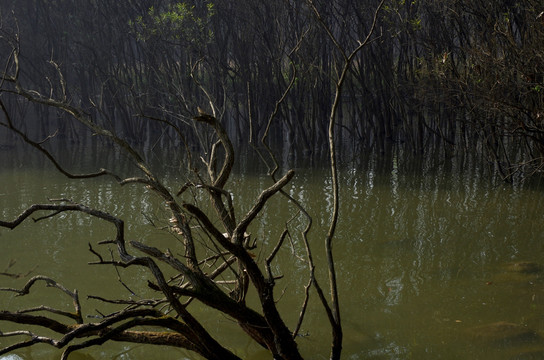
429,253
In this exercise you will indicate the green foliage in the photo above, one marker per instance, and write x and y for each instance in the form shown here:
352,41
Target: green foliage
179,22
416,24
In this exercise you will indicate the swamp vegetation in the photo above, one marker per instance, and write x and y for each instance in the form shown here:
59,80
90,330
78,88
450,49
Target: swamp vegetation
195,105
465,74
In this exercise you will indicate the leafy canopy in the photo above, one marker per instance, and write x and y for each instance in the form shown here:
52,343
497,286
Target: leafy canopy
179,22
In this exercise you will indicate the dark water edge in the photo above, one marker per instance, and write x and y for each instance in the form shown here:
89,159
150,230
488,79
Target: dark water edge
88,153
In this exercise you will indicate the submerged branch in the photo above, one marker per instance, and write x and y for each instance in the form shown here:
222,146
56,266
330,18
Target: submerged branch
103,331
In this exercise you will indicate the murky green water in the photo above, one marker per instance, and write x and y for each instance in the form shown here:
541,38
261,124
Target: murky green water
426,252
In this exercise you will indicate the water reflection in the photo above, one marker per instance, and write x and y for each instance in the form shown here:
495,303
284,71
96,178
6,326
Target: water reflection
423,250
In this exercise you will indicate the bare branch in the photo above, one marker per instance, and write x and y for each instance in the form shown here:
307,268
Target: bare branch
50,157
273,254
241,228
224,173
182,337
333,310
18,275
145,302
50,283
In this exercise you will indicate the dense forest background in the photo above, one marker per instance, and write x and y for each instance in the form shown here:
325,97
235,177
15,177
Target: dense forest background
455,74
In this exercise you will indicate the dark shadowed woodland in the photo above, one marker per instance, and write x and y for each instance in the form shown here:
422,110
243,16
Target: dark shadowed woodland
463,74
